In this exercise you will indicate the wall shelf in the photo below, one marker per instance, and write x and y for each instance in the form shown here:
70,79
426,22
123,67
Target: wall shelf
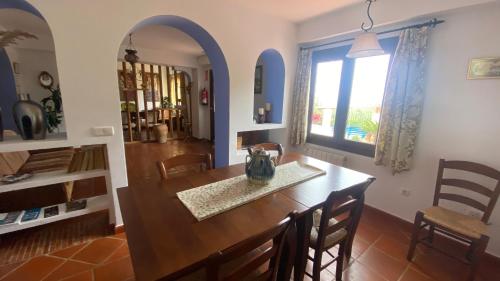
94,204
16,143
49,178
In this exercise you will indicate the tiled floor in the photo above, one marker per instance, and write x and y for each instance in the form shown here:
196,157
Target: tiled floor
105,259
379,254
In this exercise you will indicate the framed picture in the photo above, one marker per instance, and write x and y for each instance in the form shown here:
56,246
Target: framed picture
257,87
484,68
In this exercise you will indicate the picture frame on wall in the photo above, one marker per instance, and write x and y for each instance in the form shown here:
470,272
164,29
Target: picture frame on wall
484,68
257,89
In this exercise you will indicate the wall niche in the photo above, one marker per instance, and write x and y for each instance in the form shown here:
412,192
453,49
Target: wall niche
29,84
269,87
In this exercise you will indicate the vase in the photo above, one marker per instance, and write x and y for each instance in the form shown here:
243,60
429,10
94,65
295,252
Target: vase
30,119
259,167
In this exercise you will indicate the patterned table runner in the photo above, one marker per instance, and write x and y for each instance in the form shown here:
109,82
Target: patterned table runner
212,199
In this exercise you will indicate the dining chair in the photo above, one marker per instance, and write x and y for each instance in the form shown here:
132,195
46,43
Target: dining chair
185,160
465,228
335,224
269,146
266,250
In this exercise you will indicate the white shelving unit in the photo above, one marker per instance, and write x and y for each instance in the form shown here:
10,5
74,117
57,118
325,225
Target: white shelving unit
94,204
49,178
16,143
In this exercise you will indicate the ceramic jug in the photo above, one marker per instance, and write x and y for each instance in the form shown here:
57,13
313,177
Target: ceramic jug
259,167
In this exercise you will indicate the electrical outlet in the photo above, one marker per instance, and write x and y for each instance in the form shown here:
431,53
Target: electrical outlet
103,131
405,192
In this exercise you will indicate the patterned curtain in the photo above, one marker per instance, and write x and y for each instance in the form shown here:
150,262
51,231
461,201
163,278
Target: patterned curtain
301,98
403,102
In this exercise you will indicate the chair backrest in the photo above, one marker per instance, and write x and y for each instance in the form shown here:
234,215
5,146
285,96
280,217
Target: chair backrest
345,207
204,160
267,146
280,235
465,166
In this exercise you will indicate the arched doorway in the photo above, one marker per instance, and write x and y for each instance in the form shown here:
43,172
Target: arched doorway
220,76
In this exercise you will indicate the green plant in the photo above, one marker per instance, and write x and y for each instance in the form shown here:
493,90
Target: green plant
53,109
363,120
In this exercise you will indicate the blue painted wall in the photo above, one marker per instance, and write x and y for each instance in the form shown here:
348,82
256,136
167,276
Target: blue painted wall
7,91
221,78
274,86
21,5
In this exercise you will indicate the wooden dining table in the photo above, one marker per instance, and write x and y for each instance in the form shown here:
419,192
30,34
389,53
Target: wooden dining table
166,241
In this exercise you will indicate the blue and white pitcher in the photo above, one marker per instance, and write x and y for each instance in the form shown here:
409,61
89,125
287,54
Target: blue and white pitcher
259,167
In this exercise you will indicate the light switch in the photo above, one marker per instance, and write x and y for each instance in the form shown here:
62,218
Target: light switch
103,131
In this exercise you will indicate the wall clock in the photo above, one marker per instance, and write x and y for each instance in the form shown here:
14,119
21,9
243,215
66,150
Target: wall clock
46,80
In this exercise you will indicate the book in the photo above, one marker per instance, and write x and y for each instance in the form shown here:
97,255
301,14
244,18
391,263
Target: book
51,211
11,217
31,214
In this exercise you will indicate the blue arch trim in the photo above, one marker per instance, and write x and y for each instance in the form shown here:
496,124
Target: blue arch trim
220,72
21,5
7,91
274,88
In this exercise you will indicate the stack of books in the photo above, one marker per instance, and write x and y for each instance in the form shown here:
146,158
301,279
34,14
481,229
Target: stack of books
88,158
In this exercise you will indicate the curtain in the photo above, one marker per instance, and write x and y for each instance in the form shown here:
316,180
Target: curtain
300,104
403,102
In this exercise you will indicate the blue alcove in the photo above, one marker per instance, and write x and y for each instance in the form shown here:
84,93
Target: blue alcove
220,72
272,85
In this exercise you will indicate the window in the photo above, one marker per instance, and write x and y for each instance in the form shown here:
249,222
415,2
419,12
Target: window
346,98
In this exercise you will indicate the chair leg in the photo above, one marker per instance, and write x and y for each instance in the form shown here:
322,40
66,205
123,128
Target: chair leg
431,234
340,261
414,237
476,256
318,255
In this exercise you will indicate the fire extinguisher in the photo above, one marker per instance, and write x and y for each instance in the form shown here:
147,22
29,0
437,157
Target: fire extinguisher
204,97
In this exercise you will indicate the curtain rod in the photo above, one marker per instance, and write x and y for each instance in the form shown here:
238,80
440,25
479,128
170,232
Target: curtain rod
432,23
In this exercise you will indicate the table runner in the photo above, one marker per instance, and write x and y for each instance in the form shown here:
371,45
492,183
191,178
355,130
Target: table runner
212,199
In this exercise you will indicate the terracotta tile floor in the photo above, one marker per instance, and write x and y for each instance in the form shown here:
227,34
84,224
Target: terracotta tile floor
379,253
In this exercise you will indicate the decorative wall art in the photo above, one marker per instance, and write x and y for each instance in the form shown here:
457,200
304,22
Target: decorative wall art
484,68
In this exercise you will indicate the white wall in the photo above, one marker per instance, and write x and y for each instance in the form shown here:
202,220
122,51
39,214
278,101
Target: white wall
460,118
31,63
384,12
87,42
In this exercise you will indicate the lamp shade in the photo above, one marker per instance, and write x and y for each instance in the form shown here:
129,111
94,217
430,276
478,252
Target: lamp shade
365,45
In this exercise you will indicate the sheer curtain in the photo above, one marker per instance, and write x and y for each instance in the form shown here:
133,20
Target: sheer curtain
403,102
300,104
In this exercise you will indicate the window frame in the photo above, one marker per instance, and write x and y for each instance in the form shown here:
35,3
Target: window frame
338,140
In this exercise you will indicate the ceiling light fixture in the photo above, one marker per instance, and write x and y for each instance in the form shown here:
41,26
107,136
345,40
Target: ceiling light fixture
131,52
366,44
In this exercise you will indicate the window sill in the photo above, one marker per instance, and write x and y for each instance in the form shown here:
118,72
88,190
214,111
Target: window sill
359,148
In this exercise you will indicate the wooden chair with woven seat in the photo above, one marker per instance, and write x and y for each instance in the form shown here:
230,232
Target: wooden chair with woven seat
260,257
187,160
464,228
268,146
335,224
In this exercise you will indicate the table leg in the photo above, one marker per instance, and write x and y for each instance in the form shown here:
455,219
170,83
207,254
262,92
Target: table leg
304,226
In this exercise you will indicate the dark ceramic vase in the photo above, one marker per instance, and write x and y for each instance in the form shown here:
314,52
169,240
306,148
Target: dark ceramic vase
260,168
30,119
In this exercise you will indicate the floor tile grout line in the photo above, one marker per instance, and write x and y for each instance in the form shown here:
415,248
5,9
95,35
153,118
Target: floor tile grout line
8,273
112,253
404,272
55,268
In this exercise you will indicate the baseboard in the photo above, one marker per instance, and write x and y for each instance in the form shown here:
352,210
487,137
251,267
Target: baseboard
493,258
119,228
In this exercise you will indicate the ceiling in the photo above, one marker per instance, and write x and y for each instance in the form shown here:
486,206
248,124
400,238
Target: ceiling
159,37
13,19
295,10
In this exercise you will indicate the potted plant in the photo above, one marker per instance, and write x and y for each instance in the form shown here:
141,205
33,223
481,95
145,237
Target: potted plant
53,109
